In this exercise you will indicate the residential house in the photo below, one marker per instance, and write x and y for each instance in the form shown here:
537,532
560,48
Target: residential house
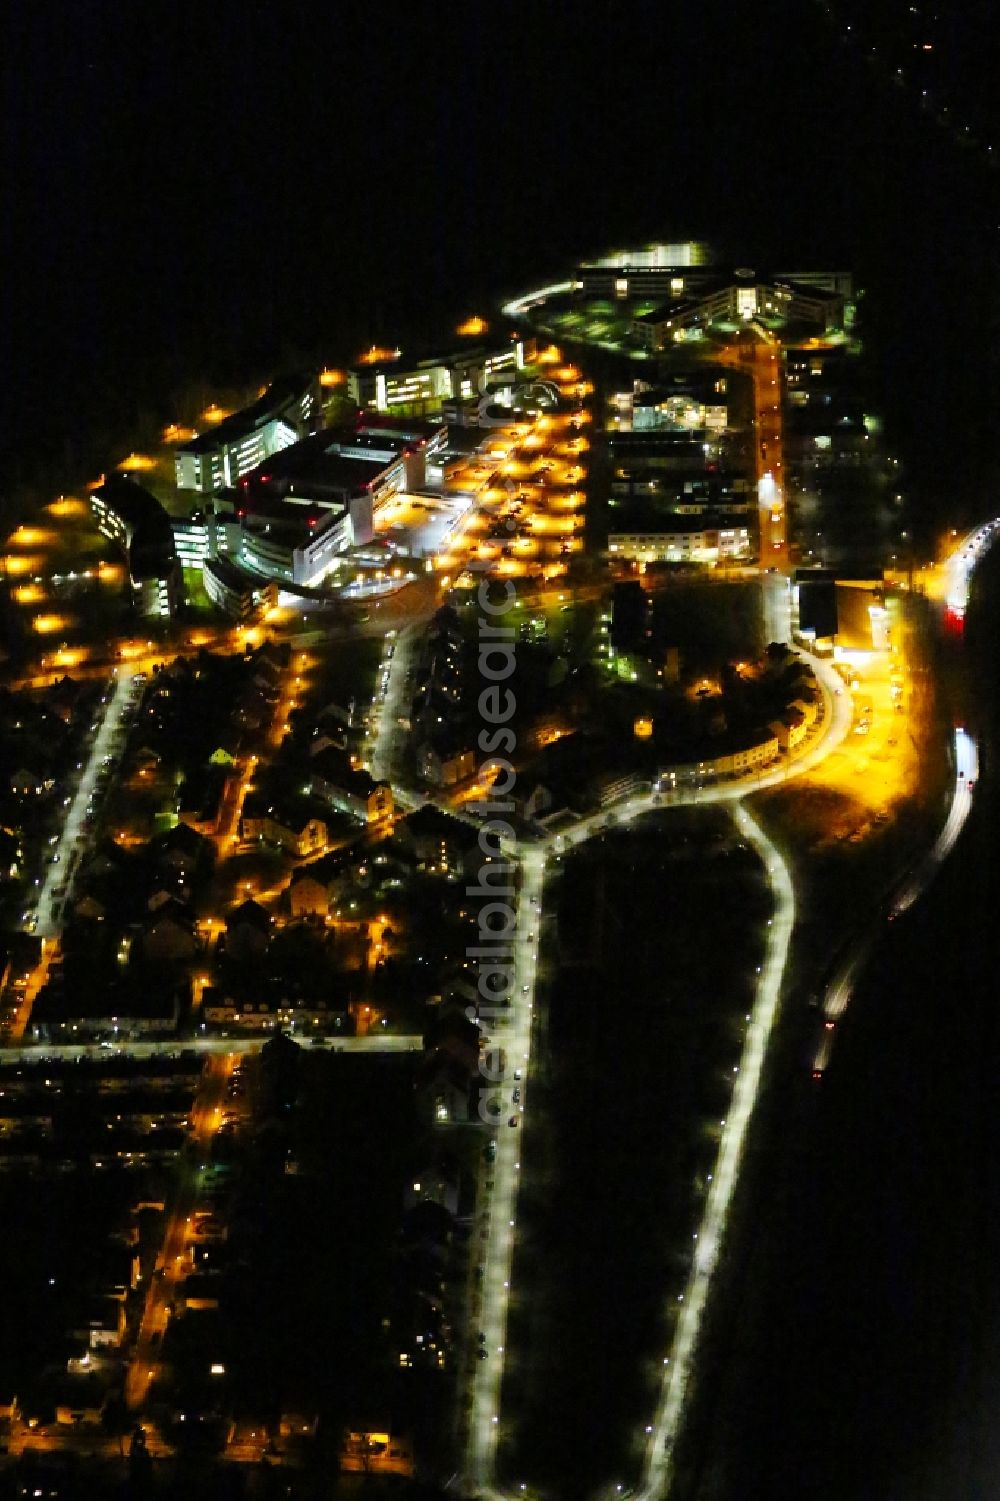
182,852
201,797
789,729
104,1010
63,698
168,934
332,778
445,758
314,886
221,1010
295,826
308,894
434,1184
808,709
105,1323
437,843
298,1422
248,932
375,1451
26,782
10,855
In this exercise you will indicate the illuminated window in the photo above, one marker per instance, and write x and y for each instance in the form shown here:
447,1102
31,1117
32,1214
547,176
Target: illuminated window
746,301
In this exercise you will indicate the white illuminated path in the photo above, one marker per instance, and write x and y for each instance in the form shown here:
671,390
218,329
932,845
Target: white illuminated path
678,1365
500,1214
776,591
501,1217
966,774
172,1047
106,742
388,703
519,307
663,1429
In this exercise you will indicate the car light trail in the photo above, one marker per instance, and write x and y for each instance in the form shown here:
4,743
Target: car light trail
958,569
960,565
966,773
519,307
841,987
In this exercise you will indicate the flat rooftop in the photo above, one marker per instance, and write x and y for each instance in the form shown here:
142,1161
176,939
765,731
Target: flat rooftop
419,525
632,520
308,469
230,576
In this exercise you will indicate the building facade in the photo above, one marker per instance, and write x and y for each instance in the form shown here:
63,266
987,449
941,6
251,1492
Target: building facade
218,458
241,596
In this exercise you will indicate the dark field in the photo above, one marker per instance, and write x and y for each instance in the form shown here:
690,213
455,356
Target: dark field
652,973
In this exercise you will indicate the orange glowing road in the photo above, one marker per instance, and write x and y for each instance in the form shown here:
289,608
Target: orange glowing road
758,354
173,1262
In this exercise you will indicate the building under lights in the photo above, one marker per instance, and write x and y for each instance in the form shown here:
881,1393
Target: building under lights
651,270
690,288
680,539
421,387
689,402
851,614
294,549
218,458
669,293
210,532
340,466
129,516
738,297
242,596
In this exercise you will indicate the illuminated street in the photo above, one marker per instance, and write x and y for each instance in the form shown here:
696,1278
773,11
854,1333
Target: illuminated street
680,1360
662,1432
40,1052
486,1414
171,1267
838,992
501,1202
759,355
107,746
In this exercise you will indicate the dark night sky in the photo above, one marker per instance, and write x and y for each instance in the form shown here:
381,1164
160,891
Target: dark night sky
197,189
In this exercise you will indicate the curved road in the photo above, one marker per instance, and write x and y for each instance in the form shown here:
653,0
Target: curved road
958,570
661,1433
499,1223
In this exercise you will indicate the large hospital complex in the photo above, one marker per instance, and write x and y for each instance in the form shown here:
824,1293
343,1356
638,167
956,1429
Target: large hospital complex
725,399
279,500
